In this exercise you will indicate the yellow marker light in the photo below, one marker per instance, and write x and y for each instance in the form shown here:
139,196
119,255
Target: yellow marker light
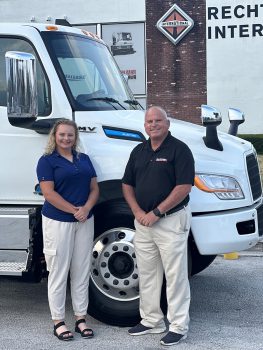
50,27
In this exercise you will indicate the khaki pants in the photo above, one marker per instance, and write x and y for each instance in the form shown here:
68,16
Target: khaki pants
163,248
68,247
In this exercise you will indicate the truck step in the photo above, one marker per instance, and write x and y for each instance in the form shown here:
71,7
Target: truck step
12,268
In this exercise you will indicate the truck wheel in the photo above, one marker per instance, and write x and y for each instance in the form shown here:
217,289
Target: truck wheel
114,283
199,262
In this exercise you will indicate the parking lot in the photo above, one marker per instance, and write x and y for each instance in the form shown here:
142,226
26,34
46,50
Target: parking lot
226,313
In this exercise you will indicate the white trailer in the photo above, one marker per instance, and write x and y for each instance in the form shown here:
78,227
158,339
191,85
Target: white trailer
76,77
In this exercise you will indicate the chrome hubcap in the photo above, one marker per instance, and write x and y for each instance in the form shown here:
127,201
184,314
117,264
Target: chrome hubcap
114,269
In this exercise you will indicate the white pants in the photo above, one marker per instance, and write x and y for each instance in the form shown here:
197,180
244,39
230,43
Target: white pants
68,247
163,248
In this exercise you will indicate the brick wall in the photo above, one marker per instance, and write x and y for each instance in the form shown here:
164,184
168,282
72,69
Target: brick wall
176,74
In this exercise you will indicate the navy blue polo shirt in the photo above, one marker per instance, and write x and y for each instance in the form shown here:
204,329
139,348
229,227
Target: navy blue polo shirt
154,173
71,181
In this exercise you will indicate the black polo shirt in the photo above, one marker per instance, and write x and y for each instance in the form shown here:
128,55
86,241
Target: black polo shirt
154,174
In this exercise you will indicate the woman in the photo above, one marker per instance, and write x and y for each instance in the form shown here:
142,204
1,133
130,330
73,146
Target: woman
68,183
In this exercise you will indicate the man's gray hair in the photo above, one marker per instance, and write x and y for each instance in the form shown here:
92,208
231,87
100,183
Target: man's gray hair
160,109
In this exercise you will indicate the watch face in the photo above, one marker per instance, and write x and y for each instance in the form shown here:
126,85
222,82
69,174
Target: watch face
157,212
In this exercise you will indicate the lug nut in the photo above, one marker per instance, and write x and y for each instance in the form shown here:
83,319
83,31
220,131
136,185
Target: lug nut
121,235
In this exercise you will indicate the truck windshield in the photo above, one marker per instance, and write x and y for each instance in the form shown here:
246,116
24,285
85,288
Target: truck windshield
88,73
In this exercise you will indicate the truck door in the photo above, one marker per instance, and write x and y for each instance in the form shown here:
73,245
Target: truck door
20,148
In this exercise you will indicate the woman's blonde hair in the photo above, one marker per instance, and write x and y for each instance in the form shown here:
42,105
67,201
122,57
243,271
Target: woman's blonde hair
51,143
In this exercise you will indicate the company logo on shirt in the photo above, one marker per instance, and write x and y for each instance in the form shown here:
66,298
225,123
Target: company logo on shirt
161,160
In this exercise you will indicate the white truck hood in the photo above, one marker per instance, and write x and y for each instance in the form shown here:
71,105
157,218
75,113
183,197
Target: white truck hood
110,159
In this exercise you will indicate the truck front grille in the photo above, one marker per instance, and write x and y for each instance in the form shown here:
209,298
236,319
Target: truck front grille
260,220
254,177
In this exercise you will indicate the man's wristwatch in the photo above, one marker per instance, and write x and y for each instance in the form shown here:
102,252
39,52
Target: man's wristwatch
157,212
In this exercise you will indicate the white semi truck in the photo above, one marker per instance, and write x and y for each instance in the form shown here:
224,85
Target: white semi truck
49,72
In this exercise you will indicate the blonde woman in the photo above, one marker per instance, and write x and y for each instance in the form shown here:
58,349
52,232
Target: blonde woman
68,182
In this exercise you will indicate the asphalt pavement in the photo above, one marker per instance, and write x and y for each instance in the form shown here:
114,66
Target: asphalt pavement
226,313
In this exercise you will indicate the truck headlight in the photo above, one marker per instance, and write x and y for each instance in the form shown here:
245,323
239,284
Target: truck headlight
224,187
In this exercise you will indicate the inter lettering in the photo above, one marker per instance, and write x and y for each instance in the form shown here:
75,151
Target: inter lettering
235,31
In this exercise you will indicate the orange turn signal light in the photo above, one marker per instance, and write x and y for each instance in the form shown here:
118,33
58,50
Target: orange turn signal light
51,27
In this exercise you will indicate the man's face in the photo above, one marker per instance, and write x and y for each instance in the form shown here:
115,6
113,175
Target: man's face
156,125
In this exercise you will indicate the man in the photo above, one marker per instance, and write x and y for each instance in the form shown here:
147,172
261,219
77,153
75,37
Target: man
156,184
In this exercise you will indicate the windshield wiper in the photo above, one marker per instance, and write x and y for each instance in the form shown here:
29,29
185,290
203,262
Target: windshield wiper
110,100
133,103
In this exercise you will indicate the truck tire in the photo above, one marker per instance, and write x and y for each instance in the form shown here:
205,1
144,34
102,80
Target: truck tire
114,283
199,262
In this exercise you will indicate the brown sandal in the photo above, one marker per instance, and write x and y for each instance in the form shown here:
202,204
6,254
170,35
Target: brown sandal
65,336
84,333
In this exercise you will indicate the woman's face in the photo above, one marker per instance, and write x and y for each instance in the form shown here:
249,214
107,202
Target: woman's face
65,137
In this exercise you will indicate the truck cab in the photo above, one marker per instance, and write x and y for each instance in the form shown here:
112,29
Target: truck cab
48,72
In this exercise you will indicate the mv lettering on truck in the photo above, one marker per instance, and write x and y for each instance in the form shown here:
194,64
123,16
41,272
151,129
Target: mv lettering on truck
48,72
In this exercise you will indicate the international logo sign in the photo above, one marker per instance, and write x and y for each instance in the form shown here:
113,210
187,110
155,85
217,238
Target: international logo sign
175,24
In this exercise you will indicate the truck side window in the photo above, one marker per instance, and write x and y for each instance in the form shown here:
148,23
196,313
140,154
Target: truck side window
43,86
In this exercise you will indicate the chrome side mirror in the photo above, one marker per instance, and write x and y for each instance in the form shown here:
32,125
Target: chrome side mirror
21,87
211,118
236,117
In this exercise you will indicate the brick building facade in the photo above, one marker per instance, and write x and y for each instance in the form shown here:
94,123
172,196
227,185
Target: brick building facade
176,74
